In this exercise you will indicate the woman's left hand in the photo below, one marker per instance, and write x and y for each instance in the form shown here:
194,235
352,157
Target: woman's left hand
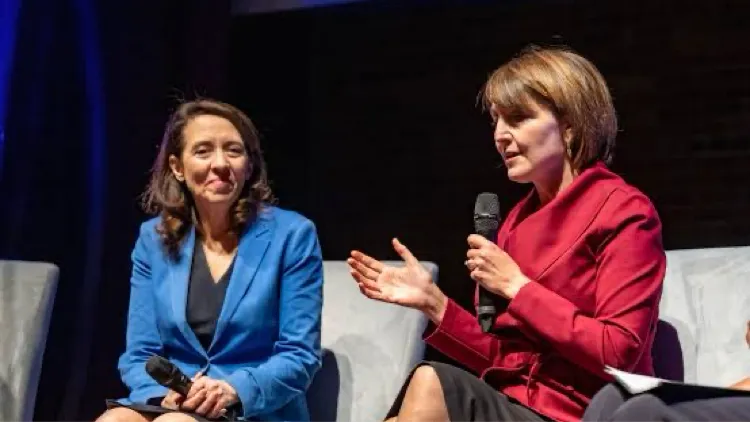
494,269
210,397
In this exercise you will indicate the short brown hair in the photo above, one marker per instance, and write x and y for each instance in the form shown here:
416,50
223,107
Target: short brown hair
170,198
569,86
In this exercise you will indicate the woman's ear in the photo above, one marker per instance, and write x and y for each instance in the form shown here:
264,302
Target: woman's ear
176,166
567,135
567,138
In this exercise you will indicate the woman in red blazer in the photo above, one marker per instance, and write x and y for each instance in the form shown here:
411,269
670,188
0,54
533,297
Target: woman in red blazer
577,267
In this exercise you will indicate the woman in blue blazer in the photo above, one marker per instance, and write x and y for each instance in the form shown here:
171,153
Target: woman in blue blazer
224,285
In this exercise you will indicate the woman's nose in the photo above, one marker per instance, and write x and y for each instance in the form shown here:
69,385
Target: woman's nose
220,161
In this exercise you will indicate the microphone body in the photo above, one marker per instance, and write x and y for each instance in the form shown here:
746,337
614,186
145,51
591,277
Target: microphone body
168,375
486,224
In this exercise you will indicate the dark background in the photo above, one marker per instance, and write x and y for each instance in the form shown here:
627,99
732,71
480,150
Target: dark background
370,127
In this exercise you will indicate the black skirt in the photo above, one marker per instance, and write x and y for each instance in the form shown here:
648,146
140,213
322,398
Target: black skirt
153,410
468,398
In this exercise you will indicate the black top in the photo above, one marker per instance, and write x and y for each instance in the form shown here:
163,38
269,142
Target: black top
205,297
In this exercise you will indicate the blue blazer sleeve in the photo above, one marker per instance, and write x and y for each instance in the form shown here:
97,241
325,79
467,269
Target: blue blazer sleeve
296,354
142,338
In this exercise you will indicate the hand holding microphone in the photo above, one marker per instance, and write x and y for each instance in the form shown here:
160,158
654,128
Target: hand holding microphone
168,375
493,268
201,394
490,266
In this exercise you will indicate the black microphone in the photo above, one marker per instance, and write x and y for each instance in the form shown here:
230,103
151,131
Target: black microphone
167,374
486,223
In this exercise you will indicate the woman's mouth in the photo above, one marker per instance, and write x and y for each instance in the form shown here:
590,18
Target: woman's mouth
508,155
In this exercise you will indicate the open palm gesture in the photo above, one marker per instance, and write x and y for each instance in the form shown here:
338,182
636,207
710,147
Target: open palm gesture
410,285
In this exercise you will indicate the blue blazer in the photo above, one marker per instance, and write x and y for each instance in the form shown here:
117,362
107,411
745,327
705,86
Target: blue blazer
267,339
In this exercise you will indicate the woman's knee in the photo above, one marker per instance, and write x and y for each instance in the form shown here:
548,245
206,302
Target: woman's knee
122,414
425,378
644,407
174,417
604,403
611,391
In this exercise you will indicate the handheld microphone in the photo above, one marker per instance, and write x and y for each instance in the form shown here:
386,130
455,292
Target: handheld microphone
168,375
486,224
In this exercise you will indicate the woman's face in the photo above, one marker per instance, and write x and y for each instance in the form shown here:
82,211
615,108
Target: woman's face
534,147
214,163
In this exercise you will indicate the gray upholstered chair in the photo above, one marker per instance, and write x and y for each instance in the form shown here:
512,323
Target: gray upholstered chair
369,349
704,312
27,292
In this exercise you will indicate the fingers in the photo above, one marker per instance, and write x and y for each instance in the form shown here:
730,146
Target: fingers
199,383
477,241
367,261
172,400
481,252
473,264
479,276
214,393
404,253
192,403
478,257
368,287
477,253
362,269
219,408
373,292
366,282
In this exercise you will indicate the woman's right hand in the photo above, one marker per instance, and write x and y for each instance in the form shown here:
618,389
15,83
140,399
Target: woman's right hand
410,285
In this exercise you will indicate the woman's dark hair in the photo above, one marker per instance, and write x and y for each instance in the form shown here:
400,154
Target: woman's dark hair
170,198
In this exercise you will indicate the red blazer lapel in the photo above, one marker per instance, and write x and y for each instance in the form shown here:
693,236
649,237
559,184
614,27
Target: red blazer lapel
536,240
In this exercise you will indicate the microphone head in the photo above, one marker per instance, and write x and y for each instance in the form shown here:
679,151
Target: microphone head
487,214
168,374
487,204
160,369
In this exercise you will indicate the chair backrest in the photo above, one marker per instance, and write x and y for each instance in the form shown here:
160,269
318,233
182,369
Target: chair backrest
27,292
704,312
369,349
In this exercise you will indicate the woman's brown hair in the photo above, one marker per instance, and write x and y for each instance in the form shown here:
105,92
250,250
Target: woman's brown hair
169,198
569,86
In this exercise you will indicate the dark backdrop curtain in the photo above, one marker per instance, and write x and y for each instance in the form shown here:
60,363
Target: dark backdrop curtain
90,87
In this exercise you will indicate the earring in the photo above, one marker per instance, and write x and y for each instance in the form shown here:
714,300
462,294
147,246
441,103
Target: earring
570,151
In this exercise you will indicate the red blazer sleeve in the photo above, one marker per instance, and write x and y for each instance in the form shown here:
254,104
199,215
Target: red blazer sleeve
630,270
459,337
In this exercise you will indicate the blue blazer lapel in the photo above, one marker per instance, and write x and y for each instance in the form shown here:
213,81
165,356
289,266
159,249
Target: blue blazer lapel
250,252
179,279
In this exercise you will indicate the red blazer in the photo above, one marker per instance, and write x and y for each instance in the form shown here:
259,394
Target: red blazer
596,261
